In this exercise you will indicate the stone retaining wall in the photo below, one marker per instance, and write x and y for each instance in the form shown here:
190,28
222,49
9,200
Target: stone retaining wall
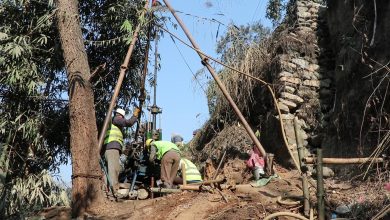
301,71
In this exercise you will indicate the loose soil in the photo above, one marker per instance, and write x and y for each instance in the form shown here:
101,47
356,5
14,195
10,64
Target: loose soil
245,202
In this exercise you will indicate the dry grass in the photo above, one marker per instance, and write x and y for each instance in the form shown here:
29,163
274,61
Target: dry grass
255,62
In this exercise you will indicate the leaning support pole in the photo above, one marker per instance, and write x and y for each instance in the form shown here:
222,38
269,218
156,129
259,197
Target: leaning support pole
142,95
305,187
311,160
162,190
122,73
217,80
320,187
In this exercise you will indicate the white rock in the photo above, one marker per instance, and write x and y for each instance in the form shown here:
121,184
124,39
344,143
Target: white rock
283,108
286,74
304,29
288,103
312,83
302,9
300,62
313,67
289,89
303,14
291,97
290,80
286,116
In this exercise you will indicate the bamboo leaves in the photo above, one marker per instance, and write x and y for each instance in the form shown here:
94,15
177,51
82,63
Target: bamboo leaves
38,191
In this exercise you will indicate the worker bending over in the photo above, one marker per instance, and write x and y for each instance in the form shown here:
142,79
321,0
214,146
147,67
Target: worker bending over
191,172
113,143
169,155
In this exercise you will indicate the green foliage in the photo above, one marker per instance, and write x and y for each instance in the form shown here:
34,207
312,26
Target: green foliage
274,10
35,192
277,9
108,28
30,67
34,121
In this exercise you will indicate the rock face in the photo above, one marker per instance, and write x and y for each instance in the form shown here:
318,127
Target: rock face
302,77
322,71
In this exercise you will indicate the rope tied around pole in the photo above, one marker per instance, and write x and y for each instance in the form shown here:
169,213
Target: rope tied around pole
85,175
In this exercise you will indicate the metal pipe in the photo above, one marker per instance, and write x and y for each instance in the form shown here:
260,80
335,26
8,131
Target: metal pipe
305,187
120,80
155,81
155,68
208,182
162,190
151,186
133,181
142,95
190,187
320,187
218,81
312,160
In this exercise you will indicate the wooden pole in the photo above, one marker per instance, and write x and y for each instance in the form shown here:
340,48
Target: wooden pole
305,187
183,172
320,187
122,74
218,81
312,160
162,190
208,182
190,187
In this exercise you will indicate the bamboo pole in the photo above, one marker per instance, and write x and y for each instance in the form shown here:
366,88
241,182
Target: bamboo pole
122,73
163,190
311,160
190,187
208,182
204,61
305,187
320,187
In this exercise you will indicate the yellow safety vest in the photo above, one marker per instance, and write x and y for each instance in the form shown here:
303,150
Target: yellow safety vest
192,172
163,147
114,134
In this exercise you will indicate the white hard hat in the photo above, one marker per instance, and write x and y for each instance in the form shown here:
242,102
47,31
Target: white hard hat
120,111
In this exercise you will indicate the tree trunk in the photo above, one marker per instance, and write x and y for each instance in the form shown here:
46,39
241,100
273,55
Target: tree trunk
86,183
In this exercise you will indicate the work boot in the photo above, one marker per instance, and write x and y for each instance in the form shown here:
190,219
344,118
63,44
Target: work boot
258,172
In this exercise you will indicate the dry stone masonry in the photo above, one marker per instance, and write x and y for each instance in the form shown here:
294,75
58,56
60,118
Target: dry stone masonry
301,72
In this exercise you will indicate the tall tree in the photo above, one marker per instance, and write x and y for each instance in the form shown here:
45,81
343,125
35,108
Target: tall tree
86,184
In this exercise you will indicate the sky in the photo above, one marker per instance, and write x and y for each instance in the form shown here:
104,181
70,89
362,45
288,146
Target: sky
182,99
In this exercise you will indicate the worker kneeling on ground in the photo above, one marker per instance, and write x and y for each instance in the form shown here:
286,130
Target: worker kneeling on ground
190,170
256,163
169,155
113,143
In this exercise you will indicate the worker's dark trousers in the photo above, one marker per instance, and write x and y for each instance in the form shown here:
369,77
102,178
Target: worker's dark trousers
112,157
169,166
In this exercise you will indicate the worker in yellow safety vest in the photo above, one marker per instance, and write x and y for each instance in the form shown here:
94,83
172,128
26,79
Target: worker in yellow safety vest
169,155
113,143
192,173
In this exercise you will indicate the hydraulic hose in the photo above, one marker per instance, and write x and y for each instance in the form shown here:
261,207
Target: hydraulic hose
276,214
281,200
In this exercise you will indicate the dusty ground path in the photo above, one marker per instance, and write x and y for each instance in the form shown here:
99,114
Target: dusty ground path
245,202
